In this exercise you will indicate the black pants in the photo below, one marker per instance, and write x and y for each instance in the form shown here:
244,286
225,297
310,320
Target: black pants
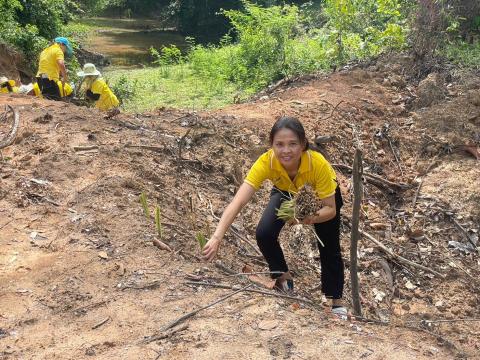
49,88
331,261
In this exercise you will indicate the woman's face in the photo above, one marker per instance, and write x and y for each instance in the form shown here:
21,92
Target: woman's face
288,148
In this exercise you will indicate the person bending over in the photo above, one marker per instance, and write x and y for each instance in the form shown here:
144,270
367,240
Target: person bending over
51,68
96,88
289,165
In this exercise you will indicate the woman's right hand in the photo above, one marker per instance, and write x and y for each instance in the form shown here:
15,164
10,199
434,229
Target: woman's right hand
211,248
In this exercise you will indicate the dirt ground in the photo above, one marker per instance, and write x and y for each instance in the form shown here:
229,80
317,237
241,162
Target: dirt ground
80,277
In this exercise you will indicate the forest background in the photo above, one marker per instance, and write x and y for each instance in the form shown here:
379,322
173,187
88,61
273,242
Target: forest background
251,45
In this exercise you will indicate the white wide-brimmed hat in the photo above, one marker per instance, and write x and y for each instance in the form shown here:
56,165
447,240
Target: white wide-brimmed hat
89,70
3,79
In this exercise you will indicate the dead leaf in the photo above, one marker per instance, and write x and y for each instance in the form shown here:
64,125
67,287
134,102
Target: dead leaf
103,255
268,324
161,245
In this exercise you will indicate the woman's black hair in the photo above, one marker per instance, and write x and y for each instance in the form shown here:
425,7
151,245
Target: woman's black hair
291,123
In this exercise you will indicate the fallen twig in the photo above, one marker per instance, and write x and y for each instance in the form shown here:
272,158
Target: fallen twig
375,178
149,285
161,245
258,291
10,138
399,258
164,335
331,113
42,197
100,323
85,148
194,312
450,320
421,182
147,147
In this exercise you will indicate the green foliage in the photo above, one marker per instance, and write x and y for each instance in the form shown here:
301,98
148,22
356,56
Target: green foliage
144,203
273,42
30,25
463,54
202,240
181,87
124,89
168,55
360,29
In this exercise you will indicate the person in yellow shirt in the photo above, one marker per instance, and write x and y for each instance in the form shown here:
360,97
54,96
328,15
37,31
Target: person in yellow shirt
7,86
289,165
35,90
51,68
96,88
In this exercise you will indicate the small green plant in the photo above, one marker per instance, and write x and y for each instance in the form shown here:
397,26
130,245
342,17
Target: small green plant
144,203
168,55
158,223
202,240
123,89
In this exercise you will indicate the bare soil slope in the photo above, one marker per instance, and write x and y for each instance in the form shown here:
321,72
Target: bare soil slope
80,277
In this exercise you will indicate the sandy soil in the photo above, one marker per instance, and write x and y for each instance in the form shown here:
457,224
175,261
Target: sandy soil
80,278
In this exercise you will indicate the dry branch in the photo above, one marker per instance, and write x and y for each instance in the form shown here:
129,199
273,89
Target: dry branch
163,335
10,138
357,202
258,291
375,179
194,312
399,258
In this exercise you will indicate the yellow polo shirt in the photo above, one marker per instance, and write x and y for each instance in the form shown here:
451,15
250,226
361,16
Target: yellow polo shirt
107,99
48,62
314,170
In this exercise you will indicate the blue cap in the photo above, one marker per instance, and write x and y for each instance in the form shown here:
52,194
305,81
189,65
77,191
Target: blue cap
64,41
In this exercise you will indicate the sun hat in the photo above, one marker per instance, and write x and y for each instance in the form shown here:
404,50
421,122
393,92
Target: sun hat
89,69
64,41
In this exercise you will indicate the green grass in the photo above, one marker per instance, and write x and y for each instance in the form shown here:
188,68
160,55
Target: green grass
463,54
173,86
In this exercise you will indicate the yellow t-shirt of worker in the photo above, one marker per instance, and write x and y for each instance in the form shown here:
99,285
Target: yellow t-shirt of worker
314,170
4,89
107,99
48,62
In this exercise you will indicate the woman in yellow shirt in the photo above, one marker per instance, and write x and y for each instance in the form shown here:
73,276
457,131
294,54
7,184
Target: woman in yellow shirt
289,165
97,89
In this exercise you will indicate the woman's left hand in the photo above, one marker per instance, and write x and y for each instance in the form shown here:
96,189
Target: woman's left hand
309,220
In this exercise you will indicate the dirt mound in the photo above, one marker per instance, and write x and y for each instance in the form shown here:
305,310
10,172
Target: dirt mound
12,65
80,276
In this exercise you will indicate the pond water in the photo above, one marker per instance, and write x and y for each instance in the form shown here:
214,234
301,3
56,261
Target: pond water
126,42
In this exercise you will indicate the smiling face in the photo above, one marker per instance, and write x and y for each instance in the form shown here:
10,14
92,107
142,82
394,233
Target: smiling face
288,148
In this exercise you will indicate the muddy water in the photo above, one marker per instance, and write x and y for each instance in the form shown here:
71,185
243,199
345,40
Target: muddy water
126,41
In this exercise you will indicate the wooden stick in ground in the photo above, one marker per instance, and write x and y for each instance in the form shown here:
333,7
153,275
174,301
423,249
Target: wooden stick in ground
398,257
194,312
258,291
357,201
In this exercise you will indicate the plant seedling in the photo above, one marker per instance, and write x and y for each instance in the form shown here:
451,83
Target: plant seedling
202,240
143,201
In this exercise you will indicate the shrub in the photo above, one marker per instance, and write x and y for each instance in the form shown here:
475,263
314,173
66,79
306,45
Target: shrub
123,89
